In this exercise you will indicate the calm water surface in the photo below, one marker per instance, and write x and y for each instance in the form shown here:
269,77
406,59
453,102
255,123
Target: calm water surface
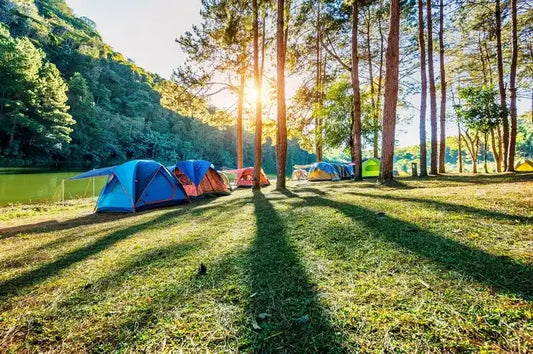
29,185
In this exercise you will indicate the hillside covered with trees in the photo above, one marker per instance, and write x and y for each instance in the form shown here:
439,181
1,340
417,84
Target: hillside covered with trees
66,98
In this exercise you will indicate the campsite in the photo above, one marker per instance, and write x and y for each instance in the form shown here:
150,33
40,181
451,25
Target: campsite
443,263
253,176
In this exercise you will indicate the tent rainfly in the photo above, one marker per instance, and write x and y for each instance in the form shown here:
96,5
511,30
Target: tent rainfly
200,178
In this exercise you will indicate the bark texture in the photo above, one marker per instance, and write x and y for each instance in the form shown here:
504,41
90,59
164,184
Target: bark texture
442,146
423,93
501,83
391,93
432,92
281,143
240,105
356,131
512,87
258,103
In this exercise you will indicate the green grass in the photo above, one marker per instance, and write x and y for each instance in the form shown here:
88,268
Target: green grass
429,265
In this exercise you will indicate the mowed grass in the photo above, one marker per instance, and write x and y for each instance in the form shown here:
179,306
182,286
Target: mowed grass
429,265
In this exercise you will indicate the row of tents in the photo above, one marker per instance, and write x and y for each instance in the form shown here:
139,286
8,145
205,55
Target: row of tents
145,184
325,171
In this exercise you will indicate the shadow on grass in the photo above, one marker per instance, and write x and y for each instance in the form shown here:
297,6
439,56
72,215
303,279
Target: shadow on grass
449,207
198,208
284,301
12,286
499,272
80,304
170,303
471,179
98,218
38,275
54,225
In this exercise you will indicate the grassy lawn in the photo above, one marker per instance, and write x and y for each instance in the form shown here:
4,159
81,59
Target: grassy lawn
441,264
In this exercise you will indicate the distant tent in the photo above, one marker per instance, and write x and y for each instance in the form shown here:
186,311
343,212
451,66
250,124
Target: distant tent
525,166
371,167
244,177
299,175
136,185
342,170
349,167
323,171
199,178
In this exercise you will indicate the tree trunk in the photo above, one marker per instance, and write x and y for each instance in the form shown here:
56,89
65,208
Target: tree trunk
485,152
482,57
381,61
512,87
318,121
495,152
356,132
391,94
500,146
459,147
442,151
423,93
472,145
489,65
375,117
281,143
240,105
432,93
352,152
258,103
501,84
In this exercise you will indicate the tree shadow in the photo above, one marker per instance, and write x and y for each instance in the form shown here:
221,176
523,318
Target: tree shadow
479,179
165,295
105,288
498,272
288,193
55,225
449,207
284,307
313,191
38,275
196,209
166,299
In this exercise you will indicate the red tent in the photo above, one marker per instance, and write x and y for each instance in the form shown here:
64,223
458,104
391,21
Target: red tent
245,177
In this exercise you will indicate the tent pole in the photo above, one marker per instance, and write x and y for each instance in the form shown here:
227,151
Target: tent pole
93,186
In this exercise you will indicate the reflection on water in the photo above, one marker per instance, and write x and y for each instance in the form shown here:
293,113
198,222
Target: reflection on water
25,185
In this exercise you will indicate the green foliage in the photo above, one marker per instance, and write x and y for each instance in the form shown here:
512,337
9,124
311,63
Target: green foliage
479,110
524,138
121,111
33,109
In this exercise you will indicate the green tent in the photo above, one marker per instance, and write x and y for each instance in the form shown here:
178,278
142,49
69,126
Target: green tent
371,167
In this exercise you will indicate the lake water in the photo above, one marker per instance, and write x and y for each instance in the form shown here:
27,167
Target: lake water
29,185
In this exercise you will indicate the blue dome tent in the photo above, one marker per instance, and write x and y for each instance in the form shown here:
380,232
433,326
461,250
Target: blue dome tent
136,185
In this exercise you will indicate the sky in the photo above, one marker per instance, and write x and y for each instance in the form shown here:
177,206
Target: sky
145,31
142,30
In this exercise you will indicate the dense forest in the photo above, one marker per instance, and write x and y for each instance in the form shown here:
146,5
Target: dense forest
66,98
